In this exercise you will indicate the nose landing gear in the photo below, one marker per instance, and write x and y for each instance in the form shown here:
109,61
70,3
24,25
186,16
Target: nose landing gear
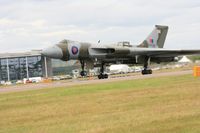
83,73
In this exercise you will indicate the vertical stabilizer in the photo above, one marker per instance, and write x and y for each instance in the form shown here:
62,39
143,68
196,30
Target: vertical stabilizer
156,39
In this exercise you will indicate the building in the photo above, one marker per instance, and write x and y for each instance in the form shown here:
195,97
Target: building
17,66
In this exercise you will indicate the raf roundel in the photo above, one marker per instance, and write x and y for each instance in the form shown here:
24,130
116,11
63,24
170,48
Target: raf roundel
74,50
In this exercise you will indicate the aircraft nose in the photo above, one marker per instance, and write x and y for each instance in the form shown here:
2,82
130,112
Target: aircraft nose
53,52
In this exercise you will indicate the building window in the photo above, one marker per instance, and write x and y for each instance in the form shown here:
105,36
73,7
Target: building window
14,68
35,66
3,67
22,68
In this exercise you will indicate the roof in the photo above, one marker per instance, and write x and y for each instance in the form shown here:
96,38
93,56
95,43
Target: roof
184,60
21,54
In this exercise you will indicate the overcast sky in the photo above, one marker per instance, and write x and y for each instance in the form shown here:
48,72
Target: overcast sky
36,24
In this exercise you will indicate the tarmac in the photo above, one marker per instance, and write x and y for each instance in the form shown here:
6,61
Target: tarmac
75,82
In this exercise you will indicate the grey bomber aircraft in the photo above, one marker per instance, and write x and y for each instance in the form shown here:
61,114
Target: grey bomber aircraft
92,55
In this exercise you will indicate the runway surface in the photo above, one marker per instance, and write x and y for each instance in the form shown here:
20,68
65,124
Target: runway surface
74,82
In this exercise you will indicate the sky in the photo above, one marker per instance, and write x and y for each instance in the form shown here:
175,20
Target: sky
35,24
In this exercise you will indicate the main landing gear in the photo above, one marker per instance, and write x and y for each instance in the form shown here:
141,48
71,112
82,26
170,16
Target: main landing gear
83,73
146,70
102,75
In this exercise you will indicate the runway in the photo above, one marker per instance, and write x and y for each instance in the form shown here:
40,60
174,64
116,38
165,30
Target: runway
75,82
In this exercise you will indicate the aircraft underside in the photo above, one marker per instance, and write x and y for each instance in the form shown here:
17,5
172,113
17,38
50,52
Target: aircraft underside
102,64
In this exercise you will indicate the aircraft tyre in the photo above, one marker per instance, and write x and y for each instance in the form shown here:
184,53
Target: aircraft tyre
145,72
83,73
103,76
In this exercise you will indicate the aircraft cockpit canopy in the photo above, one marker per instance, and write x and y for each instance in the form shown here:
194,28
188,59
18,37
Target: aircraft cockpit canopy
124,44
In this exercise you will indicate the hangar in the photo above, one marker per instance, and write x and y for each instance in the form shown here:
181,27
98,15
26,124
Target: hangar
17,66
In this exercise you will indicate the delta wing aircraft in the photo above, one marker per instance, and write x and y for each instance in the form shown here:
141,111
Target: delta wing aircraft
91,55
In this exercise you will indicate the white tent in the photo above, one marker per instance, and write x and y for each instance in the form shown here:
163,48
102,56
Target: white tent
115,69
185,60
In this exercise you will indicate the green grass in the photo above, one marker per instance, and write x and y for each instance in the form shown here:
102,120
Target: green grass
157,105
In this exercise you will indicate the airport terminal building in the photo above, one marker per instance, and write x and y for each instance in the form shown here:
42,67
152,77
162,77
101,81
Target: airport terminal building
17,66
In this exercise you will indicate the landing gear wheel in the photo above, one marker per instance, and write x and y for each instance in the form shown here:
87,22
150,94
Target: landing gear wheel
150,71
103,76
100,76
145,72
83,73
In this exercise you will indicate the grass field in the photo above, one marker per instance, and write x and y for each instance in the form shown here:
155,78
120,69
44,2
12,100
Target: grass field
159,105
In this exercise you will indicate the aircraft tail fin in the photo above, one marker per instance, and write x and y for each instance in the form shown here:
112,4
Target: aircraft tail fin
156,39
